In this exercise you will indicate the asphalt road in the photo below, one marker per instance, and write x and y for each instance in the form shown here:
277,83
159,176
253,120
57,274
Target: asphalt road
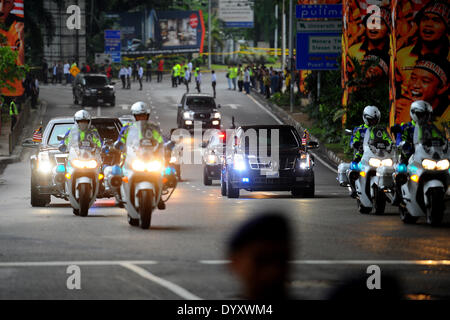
182,255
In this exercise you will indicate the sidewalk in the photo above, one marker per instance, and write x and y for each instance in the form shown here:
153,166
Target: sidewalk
28,128
294,119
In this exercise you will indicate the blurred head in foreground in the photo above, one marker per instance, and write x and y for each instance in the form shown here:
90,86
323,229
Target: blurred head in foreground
259,251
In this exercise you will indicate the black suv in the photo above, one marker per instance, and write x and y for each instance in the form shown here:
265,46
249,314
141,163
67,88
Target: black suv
248,167
198,107
93,89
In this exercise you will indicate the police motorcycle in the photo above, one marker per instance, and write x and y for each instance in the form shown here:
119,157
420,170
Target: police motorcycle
372,175
146,180
83,171
425,180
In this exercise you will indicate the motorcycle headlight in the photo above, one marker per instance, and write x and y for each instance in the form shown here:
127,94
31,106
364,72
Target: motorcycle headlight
239,162
216,115
387,163
443,164
154,166
188,115
429,164
374,162
138,165
84,164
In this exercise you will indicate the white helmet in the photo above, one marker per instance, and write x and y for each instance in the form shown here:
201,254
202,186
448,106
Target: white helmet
82,115
421,112
139,108
371,115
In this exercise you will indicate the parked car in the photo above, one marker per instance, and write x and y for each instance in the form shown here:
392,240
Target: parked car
93,89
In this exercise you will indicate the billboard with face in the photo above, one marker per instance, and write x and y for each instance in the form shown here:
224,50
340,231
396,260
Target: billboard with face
12,35
421,58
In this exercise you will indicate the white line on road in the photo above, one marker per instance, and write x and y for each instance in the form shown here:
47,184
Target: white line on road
68,263
183,293
352,262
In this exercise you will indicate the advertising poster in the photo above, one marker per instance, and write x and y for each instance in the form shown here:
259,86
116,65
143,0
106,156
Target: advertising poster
421,58
12,35
237,13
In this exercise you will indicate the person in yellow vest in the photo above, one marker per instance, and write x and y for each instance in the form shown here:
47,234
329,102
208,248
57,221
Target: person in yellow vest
13,113
174,77
233,75
178,72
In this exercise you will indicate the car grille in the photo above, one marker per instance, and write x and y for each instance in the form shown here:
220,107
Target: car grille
277,181
202,116
286,163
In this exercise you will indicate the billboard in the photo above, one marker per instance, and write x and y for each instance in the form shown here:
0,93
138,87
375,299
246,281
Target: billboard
12,34
421,58
236,13
160,32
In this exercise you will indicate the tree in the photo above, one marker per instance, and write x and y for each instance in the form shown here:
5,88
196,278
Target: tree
9,71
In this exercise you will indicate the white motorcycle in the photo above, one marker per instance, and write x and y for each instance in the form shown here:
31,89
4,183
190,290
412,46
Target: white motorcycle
83,172
143,173
377,158
426,178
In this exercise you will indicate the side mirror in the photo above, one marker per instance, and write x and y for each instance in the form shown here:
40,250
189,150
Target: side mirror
313,145
60,138
29,143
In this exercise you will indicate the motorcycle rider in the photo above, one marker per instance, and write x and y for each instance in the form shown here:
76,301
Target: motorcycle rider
421,113
371,117
140,112
85,130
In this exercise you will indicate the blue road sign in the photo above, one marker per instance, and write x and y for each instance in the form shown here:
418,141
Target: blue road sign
318,51
113,44
329,11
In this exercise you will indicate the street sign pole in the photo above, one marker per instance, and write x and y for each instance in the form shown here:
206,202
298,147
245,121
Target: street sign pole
209,35
291,57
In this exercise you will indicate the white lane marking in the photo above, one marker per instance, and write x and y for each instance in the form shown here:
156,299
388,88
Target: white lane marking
352,262
324,163
125,106
183,293
281,122
266,110
233,106
68,263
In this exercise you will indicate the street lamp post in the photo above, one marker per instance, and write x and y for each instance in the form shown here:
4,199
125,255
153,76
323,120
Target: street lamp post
209,35
291,58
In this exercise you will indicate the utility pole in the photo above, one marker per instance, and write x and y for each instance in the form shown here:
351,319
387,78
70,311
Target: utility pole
291,57
209,34
283,38
276,32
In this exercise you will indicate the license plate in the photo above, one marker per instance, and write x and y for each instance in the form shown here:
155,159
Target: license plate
272,174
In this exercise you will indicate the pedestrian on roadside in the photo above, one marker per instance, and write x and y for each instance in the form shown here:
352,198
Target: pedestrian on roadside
240,78
160,69
60,72
274,82
13,113
233,76
267,84
190,66
228,77
198,79
187,76
148,71
129,74
123,75
174,77
54,73
247,80
109,73
259,252
135,71
214,82
67,72
140,75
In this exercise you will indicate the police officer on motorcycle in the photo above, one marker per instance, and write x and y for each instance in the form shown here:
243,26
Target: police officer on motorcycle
83,127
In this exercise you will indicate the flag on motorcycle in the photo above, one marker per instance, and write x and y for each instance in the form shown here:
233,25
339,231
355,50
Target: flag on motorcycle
37,135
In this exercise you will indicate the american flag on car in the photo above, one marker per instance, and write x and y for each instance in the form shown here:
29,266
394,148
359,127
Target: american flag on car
37,135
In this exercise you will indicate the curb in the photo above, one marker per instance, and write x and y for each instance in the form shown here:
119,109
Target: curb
287,119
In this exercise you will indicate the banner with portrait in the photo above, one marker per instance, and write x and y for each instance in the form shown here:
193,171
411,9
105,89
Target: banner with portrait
12,35
421,58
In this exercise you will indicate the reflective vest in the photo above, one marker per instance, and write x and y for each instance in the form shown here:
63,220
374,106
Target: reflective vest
13,109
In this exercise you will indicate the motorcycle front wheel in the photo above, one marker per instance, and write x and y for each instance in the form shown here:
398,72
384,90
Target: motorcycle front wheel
379,201
145,208
435,212
85,198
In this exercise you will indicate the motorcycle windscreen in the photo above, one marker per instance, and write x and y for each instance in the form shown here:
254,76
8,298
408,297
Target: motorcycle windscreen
142,140
81,145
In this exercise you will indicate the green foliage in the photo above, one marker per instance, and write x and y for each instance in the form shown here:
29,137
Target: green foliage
9,71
